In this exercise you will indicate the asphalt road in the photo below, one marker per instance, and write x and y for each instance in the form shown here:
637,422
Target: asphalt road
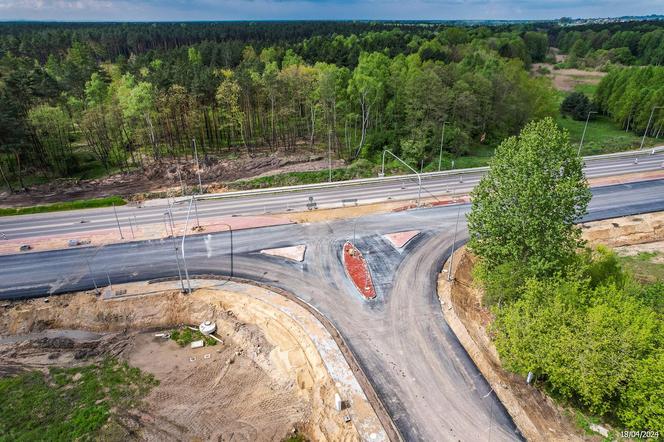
428,383
407,189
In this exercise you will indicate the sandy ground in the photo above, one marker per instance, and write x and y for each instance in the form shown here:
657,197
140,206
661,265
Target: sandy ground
568,79
627,230
538,417
221,395
163,177
208,399
225,396
278,369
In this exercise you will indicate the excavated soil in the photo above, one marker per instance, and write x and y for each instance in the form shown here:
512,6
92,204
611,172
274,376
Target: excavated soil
260,384
162,177
627,230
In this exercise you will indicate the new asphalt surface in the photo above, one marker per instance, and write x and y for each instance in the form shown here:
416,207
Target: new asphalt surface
429,385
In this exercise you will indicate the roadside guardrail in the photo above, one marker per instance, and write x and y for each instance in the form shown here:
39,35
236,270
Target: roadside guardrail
386,179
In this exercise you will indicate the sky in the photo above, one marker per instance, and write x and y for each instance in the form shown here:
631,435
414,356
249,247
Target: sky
185,10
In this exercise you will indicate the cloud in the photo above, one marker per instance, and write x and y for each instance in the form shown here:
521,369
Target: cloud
176,10
55,5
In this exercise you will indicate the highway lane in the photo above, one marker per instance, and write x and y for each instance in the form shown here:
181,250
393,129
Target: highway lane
429,385
405,189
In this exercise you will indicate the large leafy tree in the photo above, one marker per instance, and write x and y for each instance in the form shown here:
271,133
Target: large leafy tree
525,208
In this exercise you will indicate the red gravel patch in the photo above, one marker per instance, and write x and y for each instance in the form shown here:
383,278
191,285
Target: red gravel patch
447,202
358,271
462,200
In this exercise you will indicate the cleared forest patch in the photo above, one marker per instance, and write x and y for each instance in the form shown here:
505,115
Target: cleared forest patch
169,178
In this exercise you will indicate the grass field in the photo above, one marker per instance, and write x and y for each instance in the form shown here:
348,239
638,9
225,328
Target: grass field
69,404
602,136
70,205
586,88
643,266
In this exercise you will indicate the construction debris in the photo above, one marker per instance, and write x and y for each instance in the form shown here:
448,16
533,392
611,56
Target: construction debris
207,328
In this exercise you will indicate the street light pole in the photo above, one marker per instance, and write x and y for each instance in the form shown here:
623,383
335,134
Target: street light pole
92,275
184,236
198,168
584,132
442,139
175,248
117,221
198,222
643,140
419,178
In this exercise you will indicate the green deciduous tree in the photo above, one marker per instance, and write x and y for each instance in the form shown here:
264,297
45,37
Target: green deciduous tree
52,127
525,208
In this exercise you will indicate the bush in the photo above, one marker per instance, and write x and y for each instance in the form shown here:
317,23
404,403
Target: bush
502,284
642,403
593,337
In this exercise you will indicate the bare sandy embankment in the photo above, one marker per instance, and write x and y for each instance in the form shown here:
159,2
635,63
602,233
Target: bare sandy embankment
277,369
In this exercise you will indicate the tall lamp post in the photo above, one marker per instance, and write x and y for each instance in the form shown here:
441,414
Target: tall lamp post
584,131
169,215
184,236
643,140
419,178
198,168
442,139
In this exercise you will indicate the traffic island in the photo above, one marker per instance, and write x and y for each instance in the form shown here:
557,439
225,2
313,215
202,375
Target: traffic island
358,271
399,240
293,253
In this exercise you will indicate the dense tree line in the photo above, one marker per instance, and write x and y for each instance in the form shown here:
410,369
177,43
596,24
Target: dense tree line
109,41
629,96
148,96
599,46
